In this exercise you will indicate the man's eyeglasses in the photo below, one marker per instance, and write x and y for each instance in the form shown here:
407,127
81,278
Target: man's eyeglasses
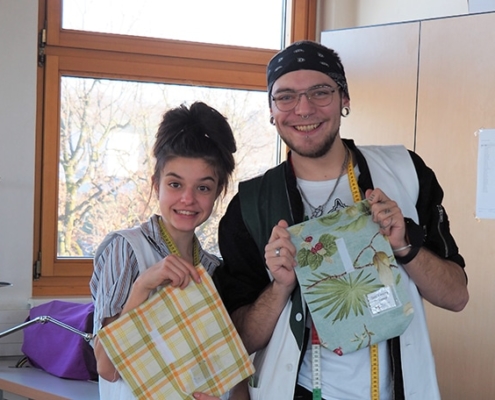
319,96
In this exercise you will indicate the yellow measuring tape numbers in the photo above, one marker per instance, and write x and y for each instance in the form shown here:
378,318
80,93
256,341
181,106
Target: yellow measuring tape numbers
375,382
374,372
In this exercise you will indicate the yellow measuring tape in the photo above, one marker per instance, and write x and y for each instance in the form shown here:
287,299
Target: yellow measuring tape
374,372
375,382
173,248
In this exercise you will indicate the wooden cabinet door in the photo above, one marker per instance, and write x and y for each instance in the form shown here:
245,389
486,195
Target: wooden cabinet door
381,65
456,97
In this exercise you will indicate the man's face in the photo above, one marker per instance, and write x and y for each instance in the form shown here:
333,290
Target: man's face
308,129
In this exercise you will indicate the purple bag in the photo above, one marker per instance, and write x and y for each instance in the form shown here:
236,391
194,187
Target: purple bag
56,349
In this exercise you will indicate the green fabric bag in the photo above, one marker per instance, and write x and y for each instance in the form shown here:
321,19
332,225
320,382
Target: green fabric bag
350,279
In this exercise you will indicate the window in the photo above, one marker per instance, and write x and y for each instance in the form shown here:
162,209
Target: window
102,92
212,21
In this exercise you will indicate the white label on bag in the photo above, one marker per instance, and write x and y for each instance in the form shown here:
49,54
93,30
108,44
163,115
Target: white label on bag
381,300
162,347
344,255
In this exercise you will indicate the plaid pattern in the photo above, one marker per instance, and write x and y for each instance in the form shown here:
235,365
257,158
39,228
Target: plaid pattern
176,343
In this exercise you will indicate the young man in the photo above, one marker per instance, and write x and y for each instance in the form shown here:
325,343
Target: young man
308,95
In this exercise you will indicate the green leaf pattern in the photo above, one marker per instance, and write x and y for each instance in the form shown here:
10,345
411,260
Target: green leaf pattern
343,295
332,292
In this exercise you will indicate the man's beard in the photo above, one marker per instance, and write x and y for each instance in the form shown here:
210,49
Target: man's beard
318,152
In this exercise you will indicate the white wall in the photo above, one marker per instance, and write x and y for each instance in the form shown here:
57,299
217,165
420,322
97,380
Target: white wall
18,65
386,11
339,14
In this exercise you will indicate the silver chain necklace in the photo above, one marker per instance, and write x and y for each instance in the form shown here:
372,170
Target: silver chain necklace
318,211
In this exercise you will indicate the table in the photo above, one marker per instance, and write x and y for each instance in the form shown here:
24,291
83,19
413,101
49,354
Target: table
36,384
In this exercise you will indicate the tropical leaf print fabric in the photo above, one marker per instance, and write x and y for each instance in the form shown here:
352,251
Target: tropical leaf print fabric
350,279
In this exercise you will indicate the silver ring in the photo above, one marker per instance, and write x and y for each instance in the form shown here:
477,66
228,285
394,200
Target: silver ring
277,252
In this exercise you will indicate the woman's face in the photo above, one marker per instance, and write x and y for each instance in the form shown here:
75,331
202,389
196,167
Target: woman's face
187,191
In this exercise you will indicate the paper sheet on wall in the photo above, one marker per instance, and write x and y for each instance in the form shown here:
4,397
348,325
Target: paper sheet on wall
485,192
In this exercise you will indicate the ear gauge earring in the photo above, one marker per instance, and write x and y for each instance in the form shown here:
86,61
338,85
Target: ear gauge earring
272,120
345,111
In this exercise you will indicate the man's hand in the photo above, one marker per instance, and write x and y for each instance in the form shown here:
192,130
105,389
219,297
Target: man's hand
279,257
386,213
440,281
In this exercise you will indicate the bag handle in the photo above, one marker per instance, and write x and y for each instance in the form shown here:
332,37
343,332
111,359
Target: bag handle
44,319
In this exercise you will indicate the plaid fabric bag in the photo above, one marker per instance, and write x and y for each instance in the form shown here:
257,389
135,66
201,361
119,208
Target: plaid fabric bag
176,343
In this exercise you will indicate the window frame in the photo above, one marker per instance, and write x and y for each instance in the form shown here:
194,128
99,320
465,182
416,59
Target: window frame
98,55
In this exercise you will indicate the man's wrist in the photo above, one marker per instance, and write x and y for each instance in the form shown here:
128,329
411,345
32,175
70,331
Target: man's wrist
415,236
406,259
397,251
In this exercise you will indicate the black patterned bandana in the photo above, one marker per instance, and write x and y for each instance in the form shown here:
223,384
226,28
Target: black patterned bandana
310,56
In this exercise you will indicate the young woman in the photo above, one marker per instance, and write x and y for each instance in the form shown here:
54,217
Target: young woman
194,161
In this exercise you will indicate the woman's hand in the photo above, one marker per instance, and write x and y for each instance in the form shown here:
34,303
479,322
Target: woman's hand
172,270
204,396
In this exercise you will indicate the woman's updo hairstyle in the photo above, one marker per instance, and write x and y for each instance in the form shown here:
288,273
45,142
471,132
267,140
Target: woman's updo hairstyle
199,131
